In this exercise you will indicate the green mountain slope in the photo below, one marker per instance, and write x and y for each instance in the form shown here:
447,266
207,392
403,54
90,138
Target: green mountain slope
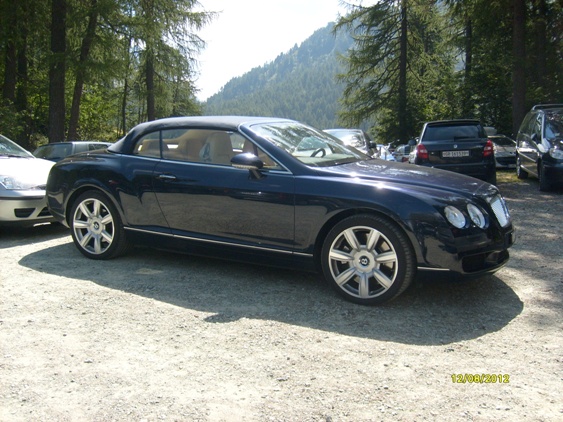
300,84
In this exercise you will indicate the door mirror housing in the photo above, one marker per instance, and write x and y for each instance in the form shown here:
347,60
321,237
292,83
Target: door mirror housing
247,161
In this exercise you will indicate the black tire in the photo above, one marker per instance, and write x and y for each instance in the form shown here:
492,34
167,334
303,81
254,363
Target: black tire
96,227
545,185
520,172
492,179
368,259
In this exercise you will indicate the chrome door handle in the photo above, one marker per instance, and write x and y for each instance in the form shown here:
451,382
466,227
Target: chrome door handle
166,177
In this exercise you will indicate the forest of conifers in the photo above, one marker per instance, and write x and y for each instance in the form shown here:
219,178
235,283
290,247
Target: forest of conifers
92,69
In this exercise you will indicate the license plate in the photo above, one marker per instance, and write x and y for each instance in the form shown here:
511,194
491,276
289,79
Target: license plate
455,154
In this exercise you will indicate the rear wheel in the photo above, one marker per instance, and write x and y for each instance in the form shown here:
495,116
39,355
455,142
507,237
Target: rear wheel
96,227
368,260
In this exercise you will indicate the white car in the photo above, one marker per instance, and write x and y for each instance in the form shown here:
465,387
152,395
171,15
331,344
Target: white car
22,186
402,152
384,153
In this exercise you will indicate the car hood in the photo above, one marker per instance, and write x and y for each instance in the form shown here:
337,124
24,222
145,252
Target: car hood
29,171
393,173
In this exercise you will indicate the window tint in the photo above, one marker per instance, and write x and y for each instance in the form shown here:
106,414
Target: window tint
526,126
536,129
457,132
54,151
148,145
94,147
268,161
554,126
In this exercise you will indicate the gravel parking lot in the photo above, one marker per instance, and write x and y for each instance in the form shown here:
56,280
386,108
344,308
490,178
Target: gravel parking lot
156,336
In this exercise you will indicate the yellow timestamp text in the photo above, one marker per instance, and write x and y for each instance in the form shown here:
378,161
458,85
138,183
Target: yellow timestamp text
481,378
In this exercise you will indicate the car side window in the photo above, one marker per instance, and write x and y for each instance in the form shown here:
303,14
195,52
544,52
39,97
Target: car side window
94,147
148,145
536,129
183,144
527,124
269,162
553,127
197,146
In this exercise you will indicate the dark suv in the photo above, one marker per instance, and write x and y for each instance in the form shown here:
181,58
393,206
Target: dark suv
539,145
461,146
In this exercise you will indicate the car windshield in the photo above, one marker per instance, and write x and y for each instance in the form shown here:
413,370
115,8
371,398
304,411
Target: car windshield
11,149
554,126
308,145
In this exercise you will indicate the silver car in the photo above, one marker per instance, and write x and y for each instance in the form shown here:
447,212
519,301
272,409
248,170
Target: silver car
505,151
22,186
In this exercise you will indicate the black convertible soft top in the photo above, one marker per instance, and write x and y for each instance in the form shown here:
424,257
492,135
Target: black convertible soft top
228,123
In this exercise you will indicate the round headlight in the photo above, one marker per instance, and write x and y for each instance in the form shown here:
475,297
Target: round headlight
455,217
556,153
477,216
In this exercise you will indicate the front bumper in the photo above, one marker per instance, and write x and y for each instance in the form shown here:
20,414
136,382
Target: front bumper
473,255
553,172
24,210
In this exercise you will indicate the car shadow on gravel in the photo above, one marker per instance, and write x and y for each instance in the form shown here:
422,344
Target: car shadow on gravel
16,236
434,311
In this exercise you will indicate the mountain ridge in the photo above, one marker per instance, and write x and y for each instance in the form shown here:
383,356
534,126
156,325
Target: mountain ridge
299,84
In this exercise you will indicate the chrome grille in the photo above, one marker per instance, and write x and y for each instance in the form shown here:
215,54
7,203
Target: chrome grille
500,209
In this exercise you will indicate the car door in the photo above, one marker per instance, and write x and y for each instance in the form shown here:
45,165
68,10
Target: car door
202,196
528,140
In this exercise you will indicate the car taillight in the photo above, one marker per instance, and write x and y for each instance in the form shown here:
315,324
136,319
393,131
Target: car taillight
421,152
489,148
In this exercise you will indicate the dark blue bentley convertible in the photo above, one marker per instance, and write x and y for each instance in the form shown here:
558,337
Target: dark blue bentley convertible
277,192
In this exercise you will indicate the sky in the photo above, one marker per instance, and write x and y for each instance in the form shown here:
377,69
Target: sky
250,33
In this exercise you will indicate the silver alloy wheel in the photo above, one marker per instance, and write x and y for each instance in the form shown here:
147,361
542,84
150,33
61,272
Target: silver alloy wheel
93,226
363,262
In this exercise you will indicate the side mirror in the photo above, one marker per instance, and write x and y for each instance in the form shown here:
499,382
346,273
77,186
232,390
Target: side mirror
412,142
248,161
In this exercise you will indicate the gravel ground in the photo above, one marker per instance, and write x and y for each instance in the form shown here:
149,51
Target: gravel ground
156,336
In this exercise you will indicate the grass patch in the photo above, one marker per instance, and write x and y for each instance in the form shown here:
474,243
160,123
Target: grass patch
507,176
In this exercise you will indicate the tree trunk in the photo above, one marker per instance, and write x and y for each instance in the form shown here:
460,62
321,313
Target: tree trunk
21,91
149,69
541,40
57,72
10,61
81,71
402,114
467,106
518,65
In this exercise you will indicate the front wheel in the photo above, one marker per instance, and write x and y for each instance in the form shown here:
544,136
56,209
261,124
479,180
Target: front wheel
368,260
520,172
545,185
96,227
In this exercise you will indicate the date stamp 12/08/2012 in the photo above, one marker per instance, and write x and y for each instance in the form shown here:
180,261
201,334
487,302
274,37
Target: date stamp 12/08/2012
480,378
